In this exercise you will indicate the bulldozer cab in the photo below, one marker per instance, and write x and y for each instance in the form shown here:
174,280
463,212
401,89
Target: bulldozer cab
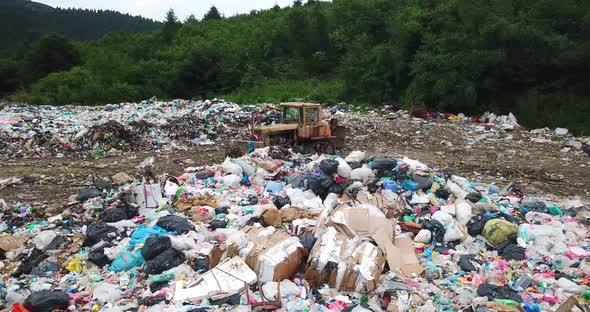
301,113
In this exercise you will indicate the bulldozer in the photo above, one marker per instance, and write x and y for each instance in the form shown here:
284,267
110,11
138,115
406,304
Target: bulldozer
302,128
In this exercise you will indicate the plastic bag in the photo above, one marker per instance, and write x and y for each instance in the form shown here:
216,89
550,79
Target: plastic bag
453,233
473,197
444,218
463,212
344,169
362,173
126,261
175,223
47,301
424,236
493,292
98,257
230,168
98,231
154,245
246,168
166,260
383,164
424,183
329,167
466,262
113,215
107,292
44,238
476,224
497,231
142,232
281,202
356,156
233,181
87,193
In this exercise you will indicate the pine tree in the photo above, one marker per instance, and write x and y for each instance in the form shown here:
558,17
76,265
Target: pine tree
213,14
171,26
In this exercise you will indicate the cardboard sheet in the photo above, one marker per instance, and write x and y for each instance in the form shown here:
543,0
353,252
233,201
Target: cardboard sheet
227,278
401,256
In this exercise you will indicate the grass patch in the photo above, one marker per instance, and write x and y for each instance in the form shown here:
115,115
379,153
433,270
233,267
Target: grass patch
275,91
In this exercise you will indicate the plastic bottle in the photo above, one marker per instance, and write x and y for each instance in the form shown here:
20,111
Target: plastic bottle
507,302
164,277
124,280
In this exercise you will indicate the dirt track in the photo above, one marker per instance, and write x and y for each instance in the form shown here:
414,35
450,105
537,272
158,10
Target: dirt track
540,169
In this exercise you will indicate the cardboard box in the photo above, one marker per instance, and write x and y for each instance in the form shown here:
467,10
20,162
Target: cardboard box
345,263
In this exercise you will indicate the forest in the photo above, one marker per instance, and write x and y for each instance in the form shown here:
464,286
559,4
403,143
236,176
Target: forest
530,57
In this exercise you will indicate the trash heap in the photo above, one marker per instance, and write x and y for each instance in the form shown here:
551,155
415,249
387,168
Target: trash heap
279,230
30,130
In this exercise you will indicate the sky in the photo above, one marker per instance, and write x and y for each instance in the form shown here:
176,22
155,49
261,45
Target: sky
156,9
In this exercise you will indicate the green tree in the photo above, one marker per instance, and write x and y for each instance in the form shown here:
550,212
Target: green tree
53,53
171,26
212,14
297,3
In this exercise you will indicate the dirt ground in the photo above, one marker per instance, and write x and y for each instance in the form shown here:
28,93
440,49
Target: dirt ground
539,169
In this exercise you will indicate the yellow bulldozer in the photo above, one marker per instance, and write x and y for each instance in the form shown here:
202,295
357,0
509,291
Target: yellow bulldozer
302,128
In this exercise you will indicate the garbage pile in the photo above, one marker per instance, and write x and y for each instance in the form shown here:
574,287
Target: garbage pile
279,230
29,130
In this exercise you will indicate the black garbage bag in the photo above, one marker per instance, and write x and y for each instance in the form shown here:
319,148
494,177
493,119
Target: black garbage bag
442,193
113,215
47,301
329,166
102,184
466,262
204,174
88,192
476,224
202,264
355,165
98,231
281,202
424,183
307,240
336,188
154,245
383,164
150,301
217,224
56,243
253,220
155,286
321,184
130,210
533,204
437,229
166,260
222,210
509,250
98,257
473,197
232,300
30,261
493,292
175,223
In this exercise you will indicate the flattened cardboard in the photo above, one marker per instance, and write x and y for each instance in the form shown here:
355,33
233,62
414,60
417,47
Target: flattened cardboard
401,256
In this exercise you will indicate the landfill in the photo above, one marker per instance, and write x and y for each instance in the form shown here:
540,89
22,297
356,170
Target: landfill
277,230
30,130
369,229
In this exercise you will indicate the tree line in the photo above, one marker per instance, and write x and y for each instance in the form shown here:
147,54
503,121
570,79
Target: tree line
531,57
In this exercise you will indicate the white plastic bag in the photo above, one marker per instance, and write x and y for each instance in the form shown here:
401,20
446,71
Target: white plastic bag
356,156
360,174
424,236
444,218
463,212
344,169
453,233
107,292
230,168
43,239
231,181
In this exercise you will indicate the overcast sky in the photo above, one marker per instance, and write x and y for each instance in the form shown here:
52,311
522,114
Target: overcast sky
156,9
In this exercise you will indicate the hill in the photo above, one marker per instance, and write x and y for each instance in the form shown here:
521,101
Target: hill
25,21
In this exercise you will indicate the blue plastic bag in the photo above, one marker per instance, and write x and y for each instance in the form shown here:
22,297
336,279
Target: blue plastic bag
127,260
273,186
142,233
410,185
